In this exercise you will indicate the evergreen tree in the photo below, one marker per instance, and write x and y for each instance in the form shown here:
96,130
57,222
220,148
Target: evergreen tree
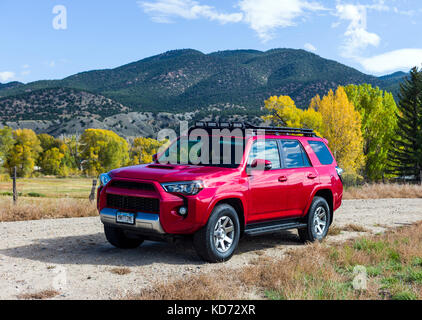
406,155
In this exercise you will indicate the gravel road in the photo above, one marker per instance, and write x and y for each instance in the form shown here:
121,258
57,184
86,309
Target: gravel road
73,256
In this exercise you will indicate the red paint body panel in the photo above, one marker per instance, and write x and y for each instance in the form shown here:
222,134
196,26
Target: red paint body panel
264,195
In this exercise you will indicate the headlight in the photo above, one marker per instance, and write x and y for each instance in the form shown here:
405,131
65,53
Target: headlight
104,179
189,188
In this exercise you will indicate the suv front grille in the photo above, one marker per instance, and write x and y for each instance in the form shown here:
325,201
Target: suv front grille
147,205
132,185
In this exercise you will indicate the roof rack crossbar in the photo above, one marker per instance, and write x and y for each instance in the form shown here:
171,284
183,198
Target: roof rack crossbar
250,127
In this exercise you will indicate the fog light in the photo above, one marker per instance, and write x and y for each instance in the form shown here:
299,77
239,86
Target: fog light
183,211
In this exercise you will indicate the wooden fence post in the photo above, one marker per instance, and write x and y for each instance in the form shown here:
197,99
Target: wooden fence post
15,192
94,187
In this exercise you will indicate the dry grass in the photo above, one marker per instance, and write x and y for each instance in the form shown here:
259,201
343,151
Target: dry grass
44,208
354,228
220,286
41,295
318,271
383,191
334,231
120,271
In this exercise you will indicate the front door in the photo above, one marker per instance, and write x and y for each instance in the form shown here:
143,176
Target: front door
266,200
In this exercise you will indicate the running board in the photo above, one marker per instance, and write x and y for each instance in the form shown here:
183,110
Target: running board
257,229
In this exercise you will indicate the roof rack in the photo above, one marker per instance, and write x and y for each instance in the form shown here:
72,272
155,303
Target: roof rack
250,127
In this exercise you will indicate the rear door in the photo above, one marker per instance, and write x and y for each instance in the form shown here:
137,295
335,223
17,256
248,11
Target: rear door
299,177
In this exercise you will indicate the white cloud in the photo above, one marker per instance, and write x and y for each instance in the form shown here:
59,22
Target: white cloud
357,37
6,76
262,16
403,59
267,15
310,47
163,11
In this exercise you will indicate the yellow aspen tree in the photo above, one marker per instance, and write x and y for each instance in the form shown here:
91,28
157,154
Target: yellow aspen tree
341,125
283,112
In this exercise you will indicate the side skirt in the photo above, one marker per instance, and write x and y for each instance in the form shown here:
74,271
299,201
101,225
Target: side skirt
256,229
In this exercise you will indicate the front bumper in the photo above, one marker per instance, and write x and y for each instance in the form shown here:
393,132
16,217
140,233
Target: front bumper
144,222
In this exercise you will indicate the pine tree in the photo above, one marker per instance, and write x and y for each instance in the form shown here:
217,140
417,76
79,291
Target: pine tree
406,155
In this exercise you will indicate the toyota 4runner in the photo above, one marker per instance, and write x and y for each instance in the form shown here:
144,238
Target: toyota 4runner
223,181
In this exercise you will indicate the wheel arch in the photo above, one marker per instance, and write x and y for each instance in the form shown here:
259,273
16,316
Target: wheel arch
237,205
327,194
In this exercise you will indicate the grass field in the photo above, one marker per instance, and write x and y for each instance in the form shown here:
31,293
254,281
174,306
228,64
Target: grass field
47,198
77,188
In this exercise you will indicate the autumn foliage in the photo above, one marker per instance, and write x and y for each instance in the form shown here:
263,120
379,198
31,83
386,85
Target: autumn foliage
358,121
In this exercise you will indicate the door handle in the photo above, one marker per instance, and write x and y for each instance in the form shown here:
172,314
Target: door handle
312,176
282,179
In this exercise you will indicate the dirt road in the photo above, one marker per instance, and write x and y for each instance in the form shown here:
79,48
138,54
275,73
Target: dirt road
73,256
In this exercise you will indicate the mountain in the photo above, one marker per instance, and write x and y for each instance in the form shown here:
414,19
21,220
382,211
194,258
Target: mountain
225,83
10,85
58,104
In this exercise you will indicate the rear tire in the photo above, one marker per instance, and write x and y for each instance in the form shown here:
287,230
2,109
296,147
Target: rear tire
218,240
118,238
318,221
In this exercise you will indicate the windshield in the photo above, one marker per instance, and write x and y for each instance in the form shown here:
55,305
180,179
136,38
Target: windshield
213,151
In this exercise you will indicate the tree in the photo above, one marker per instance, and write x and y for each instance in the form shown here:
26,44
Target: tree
6,143
378,111
283,112
406,154
143,149
51,162
56,158
341,125
102,151
24,152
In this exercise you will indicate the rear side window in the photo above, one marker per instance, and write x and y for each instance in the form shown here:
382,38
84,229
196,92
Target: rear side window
293,154
322,152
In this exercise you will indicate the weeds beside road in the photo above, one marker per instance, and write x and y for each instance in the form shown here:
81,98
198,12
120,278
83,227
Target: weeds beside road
45,208
393,264
384,191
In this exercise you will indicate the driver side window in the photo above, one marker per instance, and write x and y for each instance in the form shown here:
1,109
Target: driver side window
265,150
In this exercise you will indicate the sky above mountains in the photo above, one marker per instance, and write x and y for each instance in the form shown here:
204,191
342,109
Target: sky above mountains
51,39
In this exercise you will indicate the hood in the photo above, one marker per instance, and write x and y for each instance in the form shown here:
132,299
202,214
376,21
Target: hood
170,173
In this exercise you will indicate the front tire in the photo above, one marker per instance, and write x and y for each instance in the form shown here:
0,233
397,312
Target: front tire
318,221
218,240
118,238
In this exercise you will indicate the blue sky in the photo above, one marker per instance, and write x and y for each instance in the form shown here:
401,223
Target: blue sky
52,39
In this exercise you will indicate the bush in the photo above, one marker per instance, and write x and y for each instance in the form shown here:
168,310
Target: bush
352,180
36,195
4,177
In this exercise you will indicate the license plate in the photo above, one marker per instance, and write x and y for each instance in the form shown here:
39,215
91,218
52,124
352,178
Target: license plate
126,218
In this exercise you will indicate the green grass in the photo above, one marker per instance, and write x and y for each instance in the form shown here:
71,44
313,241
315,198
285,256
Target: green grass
78,188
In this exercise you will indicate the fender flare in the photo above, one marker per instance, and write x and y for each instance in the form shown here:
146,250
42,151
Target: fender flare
237,195
312,196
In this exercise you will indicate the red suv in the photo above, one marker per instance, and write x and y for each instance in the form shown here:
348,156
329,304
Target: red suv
223,181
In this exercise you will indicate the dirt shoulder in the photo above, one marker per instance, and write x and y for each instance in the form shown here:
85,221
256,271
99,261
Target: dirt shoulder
72,255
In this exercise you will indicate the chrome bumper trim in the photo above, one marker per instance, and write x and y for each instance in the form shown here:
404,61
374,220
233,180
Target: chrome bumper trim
146,222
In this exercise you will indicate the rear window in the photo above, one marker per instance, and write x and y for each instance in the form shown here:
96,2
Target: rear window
322,152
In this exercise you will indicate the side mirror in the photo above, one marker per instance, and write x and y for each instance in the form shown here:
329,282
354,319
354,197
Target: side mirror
261,164
155,158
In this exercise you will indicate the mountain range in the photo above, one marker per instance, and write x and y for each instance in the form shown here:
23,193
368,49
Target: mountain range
229,83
